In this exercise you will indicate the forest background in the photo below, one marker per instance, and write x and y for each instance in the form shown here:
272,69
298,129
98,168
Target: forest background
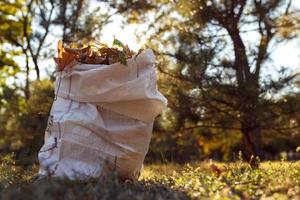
229,69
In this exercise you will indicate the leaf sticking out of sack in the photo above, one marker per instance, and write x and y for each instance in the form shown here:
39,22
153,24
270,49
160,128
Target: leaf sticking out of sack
65,58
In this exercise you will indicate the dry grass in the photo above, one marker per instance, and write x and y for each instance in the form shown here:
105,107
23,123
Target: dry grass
274,180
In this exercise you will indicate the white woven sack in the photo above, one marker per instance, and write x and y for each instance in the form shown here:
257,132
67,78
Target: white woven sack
102,119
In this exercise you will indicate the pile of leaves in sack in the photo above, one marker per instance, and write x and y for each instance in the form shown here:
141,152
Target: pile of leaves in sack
92,53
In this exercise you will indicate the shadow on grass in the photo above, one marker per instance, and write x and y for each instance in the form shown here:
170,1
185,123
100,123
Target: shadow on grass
92,189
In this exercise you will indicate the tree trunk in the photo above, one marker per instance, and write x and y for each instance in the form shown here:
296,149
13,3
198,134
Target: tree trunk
36,67
248,95
27,91
27,82
250,124
251,138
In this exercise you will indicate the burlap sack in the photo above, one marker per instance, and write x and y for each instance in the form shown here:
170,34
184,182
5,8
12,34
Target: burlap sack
101,120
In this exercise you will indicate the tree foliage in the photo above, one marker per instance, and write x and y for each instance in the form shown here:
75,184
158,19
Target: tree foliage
214,65
38,23
10,27
214,62
27,31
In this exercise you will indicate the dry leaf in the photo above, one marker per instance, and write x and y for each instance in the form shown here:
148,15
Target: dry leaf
215,169
68,56
65,58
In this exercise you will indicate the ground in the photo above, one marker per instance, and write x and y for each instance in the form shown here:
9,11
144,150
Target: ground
200,180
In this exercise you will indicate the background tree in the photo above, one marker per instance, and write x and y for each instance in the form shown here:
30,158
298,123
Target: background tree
28,30
214,60
10,27
214,64
39,22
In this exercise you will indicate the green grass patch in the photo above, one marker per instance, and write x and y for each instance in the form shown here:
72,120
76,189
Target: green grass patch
199,180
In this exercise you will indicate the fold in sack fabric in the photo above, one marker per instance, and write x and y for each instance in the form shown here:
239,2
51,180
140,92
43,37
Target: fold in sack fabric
101,119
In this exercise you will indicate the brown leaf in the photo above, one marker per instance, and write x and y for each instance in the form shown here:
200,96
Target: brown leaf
65,58
215,169
68,56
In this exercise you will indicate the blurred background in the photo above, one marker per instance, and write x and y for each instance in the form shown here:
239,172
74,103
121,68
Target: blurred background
229,68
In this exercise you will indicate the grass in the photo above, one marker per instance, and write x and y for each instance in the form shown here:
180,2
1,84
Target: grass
199,180
274,180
